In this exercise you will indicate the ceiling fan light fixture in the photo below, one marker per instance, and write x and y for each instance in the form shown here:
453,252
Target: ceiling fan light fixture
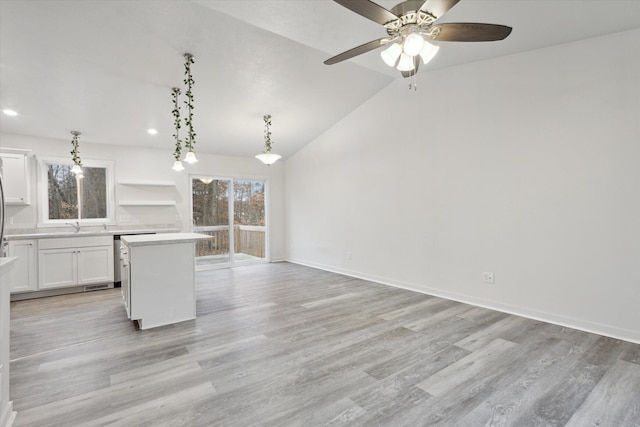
391,54
405,63
428,52
413,44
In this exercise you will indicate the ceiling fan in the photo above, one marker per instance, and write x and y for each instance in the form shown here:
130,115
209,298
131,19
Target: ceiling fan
410,26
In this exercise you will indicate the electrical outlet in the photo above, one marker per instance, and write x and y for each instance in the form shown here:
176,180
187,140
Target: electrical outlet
348,254
487,277
10,220
124,218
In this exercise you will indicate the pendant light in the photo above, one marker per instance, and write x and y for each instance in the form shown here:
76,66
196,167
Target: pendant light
177,164
190,140
75,155
267,157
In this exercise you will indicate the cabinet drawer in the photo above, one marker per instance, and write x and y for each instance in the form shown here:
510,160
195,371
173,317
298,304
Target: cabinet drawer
75,242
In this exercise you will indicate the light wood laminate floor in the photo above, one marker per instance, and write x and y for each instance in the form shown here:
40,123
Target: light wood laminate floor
282,344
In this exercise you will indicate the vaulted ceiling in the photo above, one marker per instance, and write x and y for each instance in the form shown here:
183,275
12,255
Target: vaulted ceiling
106,67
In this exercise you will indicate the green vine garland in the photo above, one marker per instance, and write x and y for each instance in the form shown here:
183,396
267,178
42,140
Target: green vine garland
176,116
191,137
75,153
267,134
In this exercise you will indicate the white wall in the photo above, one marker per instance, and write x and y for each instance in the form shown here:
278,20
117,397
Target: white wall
152,164
527,166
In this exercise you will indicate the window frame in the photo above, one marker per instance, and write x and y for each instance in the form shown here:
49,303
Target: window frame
267,217
43,191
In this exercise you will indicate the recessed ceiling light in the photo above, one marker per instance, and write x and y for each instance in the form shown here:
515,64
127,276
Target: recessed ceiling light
9,112
152,132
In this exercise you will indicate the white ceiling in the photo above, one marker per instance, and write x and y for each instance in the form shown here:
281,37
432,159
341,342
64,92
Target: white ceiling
106,67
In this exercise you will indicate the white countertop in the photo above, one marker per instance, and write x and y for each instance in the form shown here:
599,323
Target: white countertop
6,261
164,238
86,233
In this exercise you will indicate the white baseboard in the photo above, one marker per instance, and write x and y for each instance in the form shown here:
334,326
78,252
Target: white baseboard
9,415
556,319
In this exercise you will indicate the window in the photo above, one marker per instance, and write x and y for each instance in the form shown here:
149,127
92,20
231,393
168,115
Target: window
87,199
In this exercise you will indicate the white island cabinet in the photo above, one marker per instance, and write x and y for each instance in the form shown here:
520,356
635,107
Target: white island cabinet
158,277
7,414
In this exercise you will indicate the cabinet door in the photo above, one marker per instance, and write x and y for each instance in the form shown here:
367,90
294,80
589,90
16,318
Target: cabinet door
24,271
6,275
57,268
95,264
15,177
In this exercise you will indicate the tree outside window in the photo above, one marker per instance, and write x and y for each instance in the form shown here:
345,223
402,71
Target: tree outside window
72,198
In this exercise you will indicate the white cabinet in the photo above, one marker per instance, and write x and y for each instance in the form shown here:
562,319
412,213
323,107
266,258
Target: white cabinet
58,268
25,271
95,264
74,261
158,278
16,176
7,414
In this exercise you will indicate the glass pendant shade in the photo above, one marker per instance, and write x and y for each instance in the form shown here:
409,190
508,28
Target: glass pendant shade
190,157
405,63
76,169
413,44
428,52
391,54
177,166
268,158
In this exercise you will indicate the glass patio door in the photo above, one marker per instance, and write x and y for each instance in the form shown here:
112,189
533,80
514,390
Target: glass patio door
233,212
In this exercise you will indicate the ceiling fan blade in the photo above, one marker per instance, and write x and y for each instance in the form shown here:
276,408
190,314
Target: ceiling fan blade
369,10
437,8
364,48
471,32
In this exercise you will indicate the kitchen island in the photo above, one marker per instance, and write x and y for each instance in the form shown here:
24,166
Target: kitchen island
158,277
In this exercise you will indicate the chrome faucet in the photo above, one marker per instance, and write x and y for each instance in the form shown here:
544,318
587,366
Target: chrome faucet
75,225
